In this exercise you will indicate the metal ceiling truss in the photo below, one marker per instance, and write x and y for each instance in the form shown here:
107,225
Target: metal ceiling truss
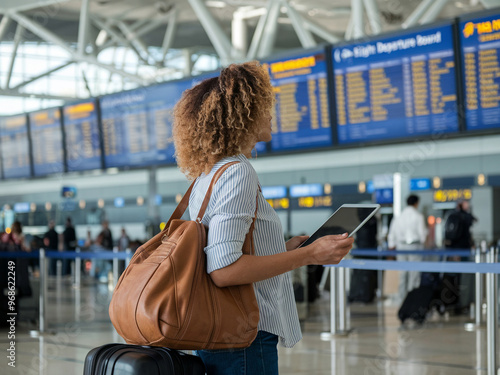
364,17
117,30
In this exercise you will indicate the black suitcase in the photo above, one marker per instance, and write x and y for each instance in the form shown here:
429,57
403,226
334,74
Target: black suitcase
123,359
363,286
431,279
416,304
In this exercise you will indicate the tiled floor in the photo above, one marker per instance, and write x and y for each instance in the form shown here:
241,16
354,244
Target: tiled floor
377,344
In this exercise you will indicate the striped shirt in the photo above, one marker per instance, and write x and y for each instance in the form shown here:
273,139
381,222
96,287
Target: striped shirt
229,215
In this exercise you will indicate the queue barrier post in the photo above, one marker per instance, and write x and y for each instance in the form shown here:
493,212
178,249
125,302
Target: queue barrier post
127,261
342,302
492,315
115,267
333,304
78,268
42,298
333,300
43,291
479,290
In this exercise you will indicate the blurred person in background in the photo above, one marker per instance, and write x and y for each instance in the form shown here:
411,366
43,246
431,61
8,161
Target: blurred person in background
458,236
123,241
14,240
69,241
104,241
408,232
123,244
105,238
51,242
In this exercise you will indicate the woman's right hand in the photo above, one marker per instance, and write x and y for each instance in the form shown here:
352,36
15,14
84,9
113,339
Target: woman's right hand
328,249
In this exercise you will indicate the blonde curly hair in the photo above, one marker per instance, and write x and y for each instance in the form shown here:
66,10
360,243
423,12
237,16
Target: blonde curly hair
221,116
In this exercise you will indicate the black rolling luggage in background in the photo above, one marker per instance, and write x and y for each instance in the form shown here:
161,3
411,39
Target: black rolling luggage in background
123,359
363,286
416,304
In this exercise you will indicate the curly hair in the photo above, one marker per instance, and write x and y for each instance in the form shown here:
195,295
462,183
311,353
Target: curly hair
221,117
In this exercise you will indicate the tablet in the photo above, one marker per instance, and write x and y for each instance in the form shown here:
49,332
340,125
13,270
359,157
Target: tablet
348,218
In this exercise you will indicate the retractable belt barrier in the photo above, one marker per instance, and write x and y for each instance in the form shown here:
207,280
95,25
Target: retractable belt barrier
106,254
491,268
456,267
424,253
77,255
337,279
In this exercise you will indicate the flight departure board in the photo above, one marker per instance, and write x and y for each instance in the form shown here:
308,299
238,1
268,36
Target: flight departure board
47,142
81,129
301,118
396,87
480,44
137,125
14,145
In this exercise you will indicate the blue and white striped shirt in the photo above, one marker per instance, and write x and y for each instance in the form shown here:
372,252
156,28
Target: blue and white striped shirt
229,216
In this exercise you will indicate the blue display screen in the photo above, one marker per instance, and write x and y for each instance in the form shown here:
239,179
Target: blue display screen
301,118
480,44
384,196
14,145
137,125
306,190
396,87
83,147
274,192
47,142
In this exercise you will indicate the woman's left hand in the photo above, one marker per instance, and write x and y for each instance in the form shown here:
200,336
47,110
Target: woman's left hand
295,242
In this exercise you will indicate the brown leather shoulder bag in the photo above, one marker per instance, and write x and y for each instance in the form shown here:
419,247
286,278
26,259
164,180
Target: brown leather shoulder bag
166,298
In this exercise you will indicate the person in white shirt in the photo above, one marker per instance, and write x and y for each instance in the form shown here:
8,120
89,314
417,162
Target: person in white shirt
408,232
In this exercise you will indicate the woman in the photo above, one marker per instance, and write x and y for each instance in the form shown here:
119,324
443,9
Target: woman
218,121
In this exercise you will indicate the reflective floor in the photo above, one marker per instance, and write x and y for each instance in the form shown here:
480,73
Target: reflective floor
78,319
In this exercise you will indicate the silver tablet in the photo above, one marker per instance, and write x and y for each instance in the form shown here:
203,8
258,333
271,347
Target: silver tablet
348,218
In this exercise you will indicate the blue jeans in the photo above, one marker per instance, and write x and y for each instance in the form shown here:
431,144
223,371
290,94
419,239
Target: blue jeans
260,358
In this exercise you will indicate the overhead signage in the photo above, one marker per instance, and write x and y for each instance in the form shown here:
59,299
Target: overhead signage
14,145
420,184
82,138
322,201
384,196
22,207
396,87
137,125
47,142
452,195
305,190
271,192
68,192
279,203
301,117
480,44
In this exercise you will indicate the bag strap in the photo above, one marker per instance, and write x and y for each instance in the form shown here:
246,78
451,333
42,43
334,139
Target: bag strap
248,245
183,204
217,174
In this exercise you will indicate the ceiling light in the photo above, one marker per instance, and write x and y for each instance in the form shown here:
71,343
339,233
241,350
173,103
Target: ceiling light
216,4
436,182
481,179
361,187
